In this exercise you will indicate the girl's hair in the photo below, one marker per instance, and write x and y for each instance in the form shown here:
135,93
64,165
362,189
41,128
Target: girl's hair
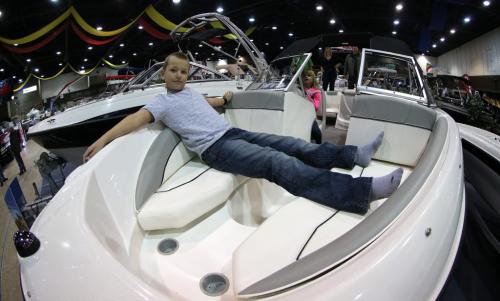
311,73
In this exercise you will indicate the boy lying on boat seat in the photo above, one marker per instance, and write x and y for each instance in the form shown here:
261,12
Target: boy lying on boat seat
300,167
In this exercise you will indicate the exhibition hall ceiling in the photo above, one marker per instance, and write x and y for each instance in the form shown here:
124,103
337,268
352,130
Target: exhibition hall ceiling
42,37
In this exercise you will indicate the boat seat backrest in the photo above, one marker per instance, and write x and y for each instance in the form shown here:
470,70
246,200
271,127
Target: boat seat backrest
273,112
407,126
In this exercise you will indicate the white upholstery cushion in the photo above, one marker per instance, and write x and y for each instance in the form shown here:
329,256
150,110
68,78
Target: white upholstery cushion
402,144
277,242
192,191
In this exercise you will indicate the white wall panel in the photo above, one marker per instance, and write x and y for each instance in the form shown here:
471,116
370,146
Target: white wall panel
480,56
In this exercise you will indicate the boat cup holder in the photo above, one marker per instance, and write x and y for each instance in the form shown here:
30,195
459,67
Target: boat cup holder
214,284
168,246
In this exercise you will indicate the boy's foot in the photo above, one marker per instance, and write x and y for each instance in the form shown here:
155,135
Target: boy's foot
383,187
365,152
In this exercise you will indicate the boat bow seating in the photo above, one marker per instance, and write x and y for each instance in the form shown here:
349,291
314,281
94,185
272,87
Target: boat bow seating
182,188
309,226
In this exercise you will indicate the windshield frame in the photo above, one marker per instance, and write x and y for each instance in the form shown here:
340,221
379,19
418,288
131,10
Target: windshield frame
424,99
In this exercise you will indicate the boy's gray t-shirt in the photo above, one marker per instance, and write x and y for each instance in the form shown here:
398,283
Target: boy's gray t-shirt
188,114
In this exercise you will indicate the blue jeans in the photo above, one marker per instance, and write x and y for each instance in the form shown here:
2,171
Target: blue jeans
301,168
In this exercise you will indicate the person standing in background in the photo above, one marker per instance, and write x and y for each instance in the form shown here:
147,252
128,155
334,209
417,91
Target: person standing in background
328,63
16,147
351,67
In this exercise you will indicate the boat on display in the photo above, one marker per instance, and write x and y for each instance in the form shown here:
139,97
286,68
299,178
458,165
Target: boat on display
69,133
145,219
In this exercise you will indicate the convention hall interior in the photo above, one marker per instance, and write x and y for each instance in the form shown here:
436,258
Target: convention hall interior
249,150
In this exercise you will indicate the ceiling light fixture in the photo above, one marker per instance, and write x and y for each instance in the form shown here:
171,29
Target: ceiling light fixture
19,81
140,27
85,60
394,32
99,28
486,3
121,44
434,45
251,19
124,62
176,1
274,27
281,47
1,13
442,39
59,53
267,44
150,44
466,19
220,9
399,7
134,54
16,44
290,34
332,21
60,64
2,70
90,48
341,31
452,31
396,22
319,7
110,56
36,69
28,60
13,76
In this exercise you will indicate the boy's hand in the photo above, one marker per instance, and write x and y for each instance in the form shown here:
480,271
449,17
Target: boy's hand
92,150
228,96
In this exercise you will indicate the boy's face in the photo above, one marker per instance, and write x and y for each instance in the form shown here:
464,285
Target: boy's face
175,73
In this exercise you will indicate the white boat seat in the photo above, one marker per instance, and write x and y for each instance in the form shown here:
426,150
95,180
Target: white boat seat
262,254
407,127
192,191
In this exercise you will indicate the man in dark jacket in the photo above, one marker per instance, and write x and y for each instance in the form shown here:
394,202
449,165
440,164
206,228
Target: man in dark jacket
351,67
15,147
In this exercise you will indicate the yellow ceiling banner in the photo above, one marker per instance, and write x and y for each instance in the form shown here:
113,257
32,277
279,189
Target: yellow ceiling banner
52,77
23,84
100,33
161,20
41,32
113,65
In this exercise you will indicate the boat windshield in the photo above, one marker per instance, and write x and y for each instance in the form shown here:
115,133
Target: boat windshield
391,74
152,76
281,74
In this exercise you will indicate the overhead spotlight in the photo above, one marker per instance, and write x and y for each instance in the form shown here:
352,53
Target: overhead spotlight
60,64
140,27
394,32
16,44
28,60
200,45
99,28
42,75
220,10
176,1
2,70
341,31
290,34
14,77
466,19
196,53
1,13
267,44
251,19
319,7
59,53
434,45
212,53
90,48
134,54
110,56
486,3
19,81
442,39
281,47
121,45
124,62
54,1
274,27
399,7
150,44
332,21
36,69
396,22
85,60
82,67
251,40
82,71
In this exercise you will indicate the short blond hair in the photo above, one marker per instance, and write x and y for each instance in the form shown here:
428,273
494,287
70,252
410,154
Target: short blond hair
310,72
178,54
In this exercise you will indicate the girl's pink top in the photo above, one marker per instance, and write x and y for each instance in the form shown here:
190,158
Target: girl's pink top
314,96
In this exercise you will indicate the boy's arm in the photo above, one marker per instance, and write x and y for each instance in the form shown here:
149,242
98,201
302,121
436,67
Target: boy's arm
220,101
128,124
